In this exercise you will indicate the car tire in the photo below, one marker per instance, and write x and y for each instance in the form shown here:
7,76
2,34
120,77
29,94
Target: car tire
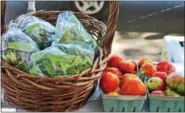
101,15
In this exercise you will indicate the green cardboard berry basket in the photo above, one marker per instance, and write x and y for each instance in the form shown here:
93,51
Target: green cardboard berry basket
166,104
123,103
163,103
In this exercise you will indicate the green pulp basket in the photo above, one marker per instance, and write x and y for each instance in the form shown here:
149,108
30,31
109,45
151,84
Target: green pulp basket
123,103
166,104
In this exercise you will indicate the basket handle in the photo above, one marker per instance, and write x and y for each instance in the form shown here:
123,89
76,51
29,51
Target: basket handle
3,17
106,42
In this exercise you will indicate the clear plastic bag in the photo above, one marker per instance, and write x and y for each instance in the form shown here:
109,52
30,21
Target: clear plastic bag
17,48
70,30
60,60
39,30
82,49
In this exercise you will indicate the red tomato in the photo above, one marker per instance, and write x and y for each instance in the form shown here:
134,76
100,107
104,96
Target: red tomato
148,69
165,66
115,60
133,87
128,76
144,60
127,66
161,75
113,70
109,82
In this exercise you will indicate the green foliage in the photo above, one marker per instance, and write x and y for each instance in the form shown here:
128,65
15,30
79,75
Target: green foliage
54,62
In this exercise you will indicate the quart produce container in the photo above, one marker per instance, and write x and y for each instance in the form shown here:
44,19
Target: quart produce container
123,103
166,104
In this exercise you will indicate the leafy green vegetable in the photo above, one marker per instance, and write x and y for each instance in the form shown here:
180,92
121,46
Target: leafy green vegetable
60,60
82,49
22,46
39,35
39,30
10,56
70,30
67,50
72,51
17,48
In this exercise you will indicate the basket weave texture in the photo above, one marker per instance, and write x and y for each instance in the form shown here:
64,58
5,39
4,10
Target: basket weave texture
34,93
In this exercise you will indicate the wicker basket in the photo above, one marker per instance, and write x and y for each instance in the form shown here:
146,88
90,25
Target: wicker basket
33,93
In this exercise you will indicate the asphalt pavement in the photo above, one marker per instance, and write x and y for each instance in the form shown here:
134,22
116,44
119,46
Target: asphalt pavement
134,48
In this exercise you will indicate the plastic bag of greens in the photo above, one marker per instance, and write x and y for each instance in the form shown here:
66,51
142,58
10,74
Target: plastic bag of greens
39,30
70,30
84,50
17,48
60,60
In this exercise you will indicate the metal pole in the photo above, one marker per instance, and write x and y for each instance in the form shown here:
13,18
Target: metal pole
31,6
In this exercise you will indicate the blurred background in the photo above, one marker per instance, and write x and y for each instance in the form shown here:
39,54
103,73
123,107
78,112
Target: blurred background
141,26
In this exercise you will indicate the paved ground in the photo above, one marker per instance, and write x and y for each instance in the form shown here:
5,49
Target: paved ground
134,48
142,28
